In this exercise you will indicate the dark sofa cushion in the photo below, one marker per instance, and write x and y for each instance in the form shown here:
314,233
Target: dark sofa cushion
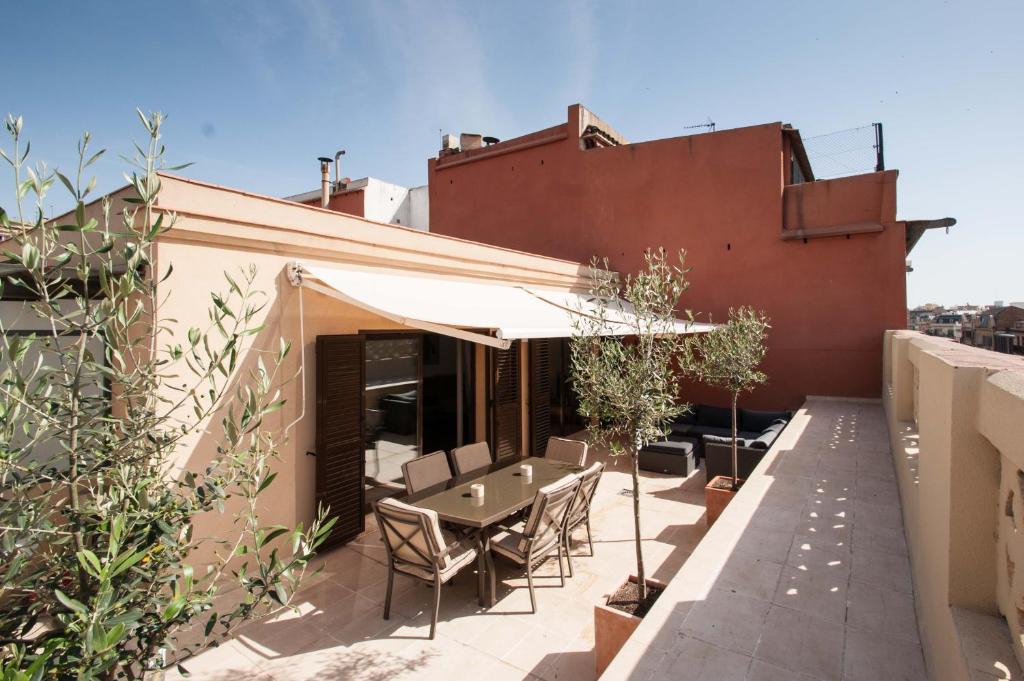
682,428
760,420
716,417
727,440
700,431
766,440
669,446
687,418
763,442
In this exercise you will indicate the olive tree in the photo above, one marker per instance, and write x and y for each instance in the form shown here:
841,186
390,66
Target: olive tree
625,368
97,519
729,358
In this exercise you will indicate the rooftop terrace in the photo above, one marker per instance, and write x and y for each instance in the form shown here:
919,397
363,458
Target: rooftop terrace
338,632
876,540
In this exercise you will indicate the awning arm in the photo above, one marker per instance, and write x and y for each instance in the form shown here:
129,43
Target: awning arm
300,277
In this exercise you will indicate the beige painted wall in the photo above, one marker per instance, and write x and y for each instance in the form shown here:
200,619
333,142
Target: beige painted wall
224,230
956,419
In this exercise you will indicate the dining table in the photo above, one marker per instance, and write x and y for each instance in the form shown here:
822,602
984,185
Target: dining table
506,491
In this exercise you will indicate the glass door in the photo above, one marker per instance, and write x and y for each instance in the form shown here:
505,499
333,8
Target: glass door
418,399
393,407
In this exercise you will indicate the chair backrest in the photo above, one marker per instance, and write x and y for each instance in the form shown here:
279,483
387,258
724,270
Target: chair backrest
471,457
425,471
411,535
569,451
547,515
588,485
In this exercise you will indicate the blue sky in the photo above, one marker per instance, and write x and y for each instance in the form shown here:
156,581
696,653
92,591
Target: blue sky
255,91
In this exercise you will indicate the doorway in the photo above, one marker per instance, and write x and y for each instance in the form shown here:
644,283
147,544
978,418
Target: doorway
417,400
564,410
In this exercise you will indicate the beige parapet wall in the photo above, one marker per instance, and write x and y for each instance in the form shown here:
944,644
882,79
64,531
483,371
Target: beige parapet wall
956,419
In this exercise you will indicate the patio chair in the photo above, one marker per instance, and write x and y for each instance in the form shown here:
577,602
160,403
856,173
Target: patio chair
531,542
426,471
417,547
569,451
579,511
471,457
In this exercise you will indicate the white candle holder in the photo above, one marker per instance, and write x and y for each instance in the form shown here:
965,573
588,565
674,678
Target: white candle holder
476,491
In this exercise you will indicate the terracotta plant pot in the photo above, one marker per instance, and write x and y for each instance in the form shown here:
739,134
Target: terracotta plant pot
717,495
613,627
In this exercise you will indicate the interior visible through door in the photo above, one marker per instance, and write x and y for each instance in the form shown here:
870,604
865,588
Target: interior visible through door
415,403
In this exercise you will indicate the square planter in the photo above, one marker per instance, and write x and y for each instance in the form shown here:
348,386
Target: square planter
717,495
613,627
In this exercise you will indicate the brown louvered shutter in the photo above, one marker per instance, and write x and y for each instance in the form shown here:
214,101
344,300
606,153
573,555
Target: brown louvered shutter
340,384
540,395
505,427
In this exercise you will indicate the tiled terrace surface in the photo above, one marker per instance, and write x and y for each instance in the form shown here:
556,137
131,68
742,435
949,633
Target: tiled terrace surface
805,576
338,631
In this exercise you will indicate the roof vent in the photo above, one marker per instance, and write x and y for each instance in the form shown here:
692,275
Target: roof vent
469,140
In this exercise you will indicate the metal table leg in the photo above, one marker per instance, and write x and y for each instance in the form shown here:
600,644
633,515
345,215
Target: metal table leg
485,571
492,576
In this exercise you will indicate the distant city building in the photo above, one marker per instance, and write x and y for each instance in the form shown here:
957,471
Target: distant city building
997,328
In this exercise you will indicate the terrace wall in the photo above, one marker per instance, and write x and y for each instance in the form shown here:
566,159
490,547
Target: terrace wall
956,419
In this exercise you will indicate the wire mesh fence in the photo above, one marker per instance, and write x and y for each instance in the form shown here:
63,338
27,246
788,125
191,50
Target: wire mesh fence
846,152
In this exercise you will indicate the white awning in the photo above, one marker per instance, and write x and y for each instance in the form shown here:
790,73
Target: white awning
479,311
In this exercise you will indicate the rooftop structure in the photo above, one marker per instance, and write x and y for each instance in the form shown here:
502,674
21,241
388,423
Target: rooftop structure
375,200
825,259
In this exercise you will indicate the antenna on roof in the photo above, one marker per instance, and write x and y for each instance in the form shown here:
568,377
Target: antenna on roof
709,125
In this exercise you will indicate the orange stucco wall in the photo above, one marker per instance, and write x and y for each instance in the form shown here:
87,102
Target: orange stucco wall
719,196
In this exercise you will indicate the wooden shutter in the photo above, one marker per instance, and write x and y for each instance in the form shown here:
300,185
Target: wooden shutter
540,395
340,446
505,422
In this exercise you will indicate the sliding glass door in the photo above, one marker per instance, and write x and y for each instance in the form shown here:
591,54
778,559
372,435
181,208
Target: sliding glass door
418,399
392,406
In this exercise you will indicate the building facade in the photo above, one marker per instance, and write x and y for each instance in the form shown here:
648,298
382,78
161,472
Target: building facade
998,328
826,260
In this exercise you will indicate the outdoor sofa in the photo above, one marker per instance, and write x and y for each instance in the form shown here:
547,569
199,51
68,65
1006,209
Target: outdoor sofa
706,432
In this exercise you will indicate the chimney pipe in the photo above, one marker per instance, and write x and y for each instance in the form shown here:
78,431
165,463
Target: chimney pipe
325,180
337,168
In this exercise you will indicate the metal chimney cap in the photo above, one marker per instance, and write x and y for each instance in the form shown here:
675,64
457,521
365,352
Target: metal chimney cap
325,159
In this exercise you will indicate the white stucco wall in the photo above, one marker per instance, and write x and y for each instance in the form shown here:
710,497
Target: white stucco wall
387,202
419,208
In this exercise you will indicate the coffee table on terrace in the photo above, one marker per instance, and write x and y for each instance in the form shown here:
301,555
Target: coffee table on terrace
505,492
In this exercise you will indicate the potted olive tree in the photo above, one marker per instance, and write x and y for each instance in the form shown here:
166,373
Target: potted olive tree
97,526
625,371
729,359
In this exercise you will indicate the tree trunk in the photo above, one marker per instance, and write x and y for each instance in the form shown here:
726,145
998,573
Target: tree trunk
735,454
641,576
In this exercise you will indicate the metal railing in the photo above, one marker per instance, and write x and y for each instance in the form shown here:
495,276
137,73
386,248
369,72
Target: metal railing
846,152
